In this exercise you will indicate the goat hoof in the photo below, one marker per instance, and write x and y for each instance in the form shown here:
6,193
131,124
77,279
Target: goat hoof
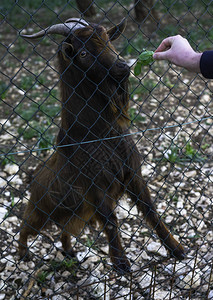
24,255
70,254
122,266
178,253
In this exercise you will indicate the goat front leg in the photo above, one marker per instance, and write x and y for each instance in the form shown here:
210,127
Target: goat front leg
108,221
139,194
32,224
66,241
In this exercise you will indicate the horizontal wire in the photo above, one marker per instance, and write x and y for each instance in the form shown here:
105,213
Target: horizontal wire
104,139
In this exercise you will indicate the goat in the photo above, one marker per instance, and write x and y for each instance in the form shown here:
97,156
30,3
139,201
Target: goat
83,181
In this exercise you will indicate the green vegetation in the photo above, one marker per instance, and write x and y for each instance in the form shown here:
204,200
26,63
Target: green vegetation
144,59
39,130
3,89
46,108
27,82
20,13
54,266
168,83
192,154
172,154
142,88
135,115
37,119
20,46
173,197
12,200
193,25
194,237
31,5
134,45
169,30
27,113
42,276
205,146
178,155
9,208
66,264
91,243
188,12
9,159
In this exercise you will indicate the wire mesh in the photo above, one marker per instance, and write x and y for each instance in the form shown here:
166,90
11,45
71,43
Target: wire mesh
170,122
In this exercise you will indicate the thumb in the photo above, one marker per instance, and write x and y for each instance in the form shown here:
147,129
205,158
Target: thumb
160,55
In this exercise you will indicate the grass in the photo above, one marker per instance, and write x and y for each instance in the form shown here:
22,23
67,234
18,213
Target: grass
7,160
30,6
192,154
42,276
134,46
21,47
173,198
37,120
135,116
35,129
27,82
27,113
143,87
35,110
172,154
28,11
9,208
197,7
66,264
56,266
90,243
175,154
3,89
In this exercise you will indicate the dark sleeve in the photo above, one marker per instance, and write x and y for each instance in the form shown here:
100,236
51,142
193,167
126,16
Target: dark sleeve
206,64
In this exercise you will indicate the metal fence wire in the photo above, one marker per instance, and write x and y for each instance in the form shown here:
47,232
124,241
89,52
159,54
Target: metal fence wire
76,217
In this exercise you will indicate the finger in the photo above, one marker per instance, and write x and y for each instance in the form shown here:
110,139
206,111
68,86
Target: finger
161,55
165,44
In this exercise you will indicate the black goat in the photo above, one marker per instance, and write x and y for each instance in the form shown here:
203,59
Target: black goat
83,182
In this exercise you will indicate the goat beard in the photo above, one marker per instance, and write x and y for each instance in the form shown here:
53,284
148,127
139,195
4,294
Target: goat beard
113,89
120,92
119,99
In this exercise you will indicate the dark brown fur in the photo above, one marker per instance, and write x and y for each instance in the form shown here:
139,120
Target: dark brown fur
83,182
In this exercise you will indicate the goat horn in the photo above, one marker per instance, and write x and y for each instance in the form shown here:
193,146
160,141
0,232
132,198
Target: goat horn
77,20
69,26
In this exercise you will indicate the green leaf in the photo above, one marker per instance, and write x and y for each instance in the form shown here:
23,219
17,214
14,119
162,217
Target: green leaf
137,69
146,58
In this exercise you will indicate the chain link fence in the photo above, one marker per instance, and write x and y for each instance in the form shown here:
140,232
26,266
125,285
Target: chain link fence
170,122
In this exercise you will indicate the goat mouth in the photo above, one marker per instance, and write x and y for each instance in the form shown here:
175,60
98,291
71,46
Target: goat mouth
120,78
120,74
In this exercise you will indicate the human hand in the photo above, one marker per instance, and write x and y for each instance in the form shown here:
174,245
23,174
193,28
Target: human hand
178,51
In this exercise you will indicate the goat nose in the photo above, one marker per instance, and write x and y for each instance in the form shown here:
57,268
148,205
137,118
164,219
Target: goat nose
121,64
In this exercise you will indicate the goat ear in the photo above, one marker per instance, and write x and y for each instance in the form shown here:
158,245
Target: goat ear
67,50
116,30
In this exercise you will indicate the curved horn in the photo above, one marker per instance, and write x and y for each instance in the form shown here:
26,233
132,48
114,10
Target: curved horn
70,25
77,20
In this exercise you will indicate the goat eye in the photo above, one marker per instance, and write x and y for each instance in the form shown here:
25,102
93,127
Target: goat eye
83,54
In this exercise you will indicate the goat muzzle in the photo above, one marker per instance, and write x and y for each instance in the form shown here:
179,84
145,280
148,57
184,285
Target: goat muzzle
120,70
